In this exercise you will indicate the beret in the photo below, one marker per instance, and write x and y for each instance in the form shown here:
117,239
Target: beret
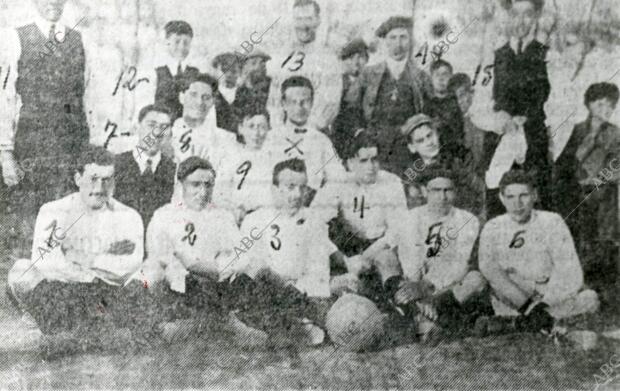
355,46
415,122
394,22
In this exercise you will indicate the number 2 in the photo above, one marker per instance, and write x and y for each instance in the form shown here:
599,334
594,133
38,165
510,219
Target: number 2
277,243
243,169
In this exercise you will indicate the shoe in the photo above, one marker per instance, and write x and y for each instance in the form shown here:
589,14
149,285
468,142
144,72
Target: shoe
246,337
494,325
314,335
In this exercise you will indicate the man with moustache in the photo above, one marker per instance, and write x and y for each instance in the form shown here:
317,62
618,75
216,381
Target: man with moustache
391,91
44,90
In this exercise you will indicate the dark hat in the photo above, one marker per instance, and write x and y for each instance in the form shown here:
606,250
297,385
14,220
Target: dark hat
393,23
258,53
226,60
355,46
415,122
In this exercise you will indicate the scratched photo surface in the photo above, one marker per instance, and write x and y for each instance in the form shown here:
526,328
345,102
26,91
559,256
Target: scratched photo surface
309,194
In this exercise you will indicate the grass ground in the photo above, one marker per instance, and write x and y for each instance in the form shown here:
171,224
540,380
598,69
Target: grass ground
508,362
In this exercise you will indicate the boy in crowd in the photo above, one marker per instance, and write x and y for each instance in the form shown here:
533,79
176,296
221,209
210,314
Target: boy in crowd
145,176
196,133
435,243
242,184
529,260
443,106
586,184
425,151
361,210
193,262
297,138
86,249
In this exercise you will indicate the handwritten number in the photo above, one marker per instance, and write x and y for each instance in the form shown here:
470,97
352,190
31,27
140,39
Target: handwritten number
425,47
277,243
362,206
112,133
299,61
433,238
476,73
191,236
6,78
243,169
130,84
185,140
517,241
488,73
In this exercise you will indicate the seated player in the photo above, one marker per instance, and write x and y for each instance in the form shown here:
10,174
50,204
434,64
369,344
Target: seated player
291,240
243,183
145,176
529,260
298,139
196,133
443,105
193,266
435,243
361,211
86,248
425,151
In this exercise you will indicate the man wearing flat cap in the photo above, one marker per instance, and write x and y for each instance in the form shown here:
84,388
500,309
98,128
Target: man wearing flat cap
424,152
392,91
353,56
253,83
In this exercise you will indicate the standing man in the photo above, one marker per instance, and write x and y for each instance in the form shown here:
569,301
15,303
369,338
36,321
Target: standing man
307,57
392,91
46,80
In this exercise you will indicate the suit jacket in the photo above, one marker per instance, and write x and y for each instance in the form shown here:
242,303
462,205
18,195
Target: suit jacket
142,193
363,93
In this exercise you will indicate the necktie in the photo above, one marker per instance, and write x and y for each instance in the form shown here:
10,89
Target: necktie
52,34
520,47
300,130
179,70
149,167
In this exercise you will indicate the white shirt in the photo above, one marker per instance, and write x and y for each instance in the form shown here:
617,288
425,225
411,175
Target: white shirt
178,237
314,147
539,256
142,159
436,248
370,209
396,68
320,65
514,42
245,178
10,101
296,248
83,239
228,93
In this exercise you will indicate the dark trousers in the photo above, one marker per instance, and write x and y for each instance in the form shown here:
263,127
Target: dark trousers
60,306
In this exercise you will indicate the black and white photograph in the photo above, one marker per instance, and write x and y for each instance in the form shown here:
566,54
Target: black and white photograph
310,195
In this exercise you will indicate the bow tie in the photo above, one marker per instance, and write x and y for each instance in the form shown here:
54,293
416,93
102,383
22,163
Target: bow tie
300,130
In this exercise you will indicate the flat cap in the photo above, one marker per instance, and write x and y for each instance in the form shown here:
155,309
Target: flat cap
394,22
415,122
355,46
258,53
226,60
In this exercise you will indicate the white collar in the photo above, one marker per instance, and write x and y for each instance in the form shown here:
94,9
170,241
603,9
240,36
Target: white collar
396,67
290,128
45,26
173,64
228,93
141,160
514,42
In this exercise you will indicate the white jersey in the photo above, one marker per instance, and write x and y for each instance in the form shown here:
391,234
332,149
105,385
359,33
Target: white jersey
71,243
538,256
245,179
178,237
436,248
369,209
296,248
310,145
317,63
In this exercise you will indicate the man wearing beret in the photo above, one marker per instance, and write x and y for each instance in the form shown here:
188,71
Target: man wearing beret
392,91
354,57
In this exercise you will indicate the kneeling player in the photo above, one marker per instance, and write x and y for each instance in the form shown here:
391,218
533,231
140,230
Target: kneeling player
435,244
293,243
361,210
87,246
529,259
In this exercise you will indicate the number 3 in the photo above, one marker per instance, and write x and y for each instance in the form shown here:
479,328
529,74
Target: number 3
277,243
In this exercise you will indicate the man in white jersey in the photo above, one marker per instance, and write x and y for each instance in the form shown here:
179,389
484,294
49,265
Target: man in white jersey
244,182
196,133
86,253
193,266
360,211
297,138
435,243
529,259
306,56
